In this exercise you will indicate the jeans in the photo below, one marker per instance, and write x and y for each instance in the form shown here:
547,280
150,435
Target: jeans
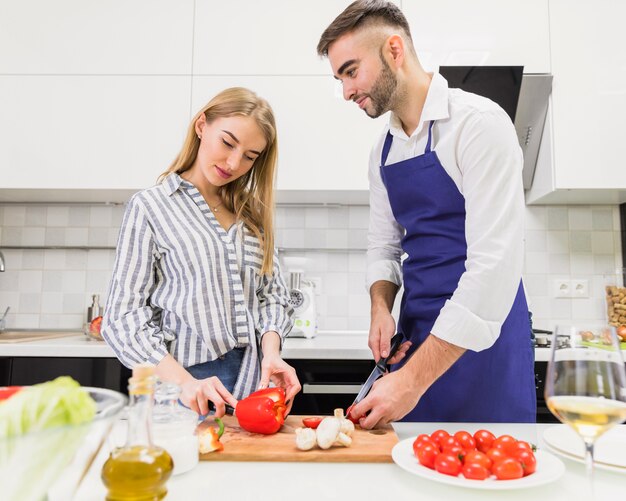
225,368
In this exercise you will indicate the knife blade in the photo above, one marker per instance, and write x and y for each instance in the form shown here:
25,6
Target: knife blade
379,370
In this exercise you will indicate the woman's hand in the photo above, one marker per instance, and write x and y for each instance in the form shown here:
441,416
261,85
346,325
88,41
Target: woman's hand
196,393
276,370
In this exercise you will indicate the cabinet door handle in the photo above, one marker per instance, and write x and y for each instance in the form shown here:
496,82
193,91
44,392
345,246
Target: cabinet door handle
330,388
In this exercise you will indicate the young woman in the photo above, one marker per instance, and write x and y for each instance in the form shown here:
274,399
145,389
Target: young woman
196,287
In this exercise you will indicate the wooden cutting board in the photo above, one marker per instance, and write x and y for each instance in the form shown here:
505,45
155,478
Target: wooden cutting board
26,336
368,446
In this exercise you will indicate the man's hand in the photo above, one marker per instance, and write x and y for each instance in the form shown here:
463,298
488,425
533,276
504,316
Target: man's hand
391,398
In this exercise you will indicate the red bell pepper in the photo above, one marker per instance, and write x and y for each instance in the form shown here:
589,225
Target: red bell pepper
262,411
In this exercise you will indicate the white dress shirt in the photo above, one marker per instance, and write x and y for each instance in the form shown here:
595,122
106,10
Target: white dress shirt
179,276
477,145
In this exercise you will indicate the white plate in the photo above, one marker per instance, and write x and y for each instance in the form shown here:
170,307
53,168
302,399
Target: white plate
549,468
609,451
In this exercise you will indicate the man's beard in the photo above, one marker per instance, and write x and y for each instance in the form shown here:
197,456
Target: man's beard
383,91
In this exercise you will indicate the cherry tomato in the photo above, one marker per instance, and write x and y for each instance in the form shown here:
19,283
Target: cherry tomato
427,455
465,440
457,450
521,445
477,457
474,471
496,455
350,417
421,440
527,460
448,443
312,422
504,442
439,435
448,464
484,440
508,469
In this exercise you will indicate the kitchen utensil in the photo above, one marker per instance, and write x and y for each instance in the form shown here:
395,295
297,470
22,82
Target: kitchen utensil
379,370
368,446
549,469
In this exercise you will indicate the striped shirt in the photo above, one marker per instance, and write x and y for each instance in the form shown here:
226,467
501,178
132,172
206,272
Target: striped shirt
180,277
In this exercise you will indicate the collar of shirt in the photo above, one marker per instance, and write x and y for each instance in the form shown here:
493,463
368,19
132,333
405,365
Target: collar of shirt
173,182
435,108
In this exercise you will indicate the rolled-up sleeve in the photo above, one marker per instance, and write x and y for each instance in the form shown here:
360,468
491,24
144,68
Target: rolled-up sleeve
384,235
275,312
130,325
490,159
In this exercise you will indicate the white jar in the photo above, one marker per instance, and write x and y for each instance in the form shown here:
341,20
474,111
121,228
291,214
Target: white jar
173,428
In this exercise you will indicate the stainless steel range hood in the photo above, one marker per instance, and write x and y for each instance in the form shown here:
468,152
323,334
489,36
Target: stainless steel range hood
524,97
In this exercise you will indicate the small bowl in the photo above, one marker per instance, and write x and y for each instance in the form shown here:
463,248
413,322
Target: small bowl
57,458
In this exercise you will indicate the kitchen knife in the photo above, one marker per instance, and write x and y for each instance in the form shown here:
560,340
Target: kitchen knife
379,370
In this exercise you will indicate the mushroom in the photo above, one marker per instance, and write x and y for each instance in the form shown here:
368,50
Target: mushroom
329,433
347,426
305,438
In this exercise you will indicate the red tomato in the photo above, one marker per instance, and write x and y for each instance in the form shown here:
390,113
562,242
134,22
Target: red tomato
311,422
448,443
438,436
504,442
496,455
448,464
465,440
508,469
421,440
350,417
484,440
474,471
527,460
7,391
457,450
521,445
427,454
477,457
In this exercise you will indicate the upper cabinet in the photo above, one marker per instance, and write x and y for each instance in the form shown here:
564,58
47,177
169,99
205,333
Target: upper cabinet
140,37
588,149
251,37
480,32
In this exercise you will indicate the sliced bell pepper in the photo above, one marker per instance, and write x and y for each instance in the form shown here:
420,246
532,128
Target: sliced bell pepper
209,439
262,411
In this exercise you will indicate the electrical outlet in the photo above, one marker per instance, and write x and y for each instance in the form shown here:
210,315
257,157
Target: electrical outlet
317,283
562,288
579,287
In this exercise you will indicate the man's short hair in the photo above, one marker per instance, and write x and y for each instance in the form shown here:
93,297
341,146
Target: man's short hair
359,13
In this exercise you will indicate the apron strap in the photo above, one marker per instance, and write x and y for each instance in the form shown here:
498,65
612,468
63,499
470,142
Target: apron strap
430,136
386,148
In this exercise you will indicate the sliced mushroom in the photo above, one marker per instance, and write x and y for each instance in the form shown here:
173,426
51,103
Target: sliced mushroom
305,438
347,426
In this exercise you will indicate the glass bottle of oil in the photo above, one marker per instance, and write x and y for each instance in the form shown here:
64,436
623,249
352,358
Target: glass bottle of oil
138,470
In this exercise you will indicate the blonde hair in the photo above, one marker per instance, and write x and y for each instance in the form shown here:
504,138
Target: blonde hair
250,197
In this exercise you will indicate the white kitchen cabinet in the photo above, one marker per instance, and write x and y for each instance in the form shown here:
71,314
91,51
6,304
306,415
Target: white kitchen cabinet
261,37
588,45
324,141
86,137
481,32
96,37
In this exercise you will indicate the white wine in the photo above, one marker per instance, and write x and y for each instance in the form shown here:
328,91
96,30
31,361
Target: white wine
589,416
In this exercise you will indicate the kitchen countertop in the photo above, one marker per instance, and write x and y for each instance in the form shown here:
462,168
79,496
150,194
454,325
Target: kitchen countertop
365,481
327,345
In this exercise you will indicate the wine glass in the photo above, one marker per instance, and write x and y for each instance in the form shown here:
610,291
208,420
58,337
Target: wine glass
586,382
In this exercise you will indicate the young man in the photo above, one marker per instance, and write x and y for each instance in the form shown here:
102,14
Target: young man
446,189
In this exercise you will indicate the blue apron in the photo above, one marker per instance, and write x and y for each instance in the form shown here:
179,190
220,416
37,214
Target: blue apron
496,384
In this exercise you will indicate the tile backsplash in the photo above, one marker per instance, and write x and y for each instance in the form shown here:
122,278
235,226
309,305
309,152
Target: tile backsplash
51,287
